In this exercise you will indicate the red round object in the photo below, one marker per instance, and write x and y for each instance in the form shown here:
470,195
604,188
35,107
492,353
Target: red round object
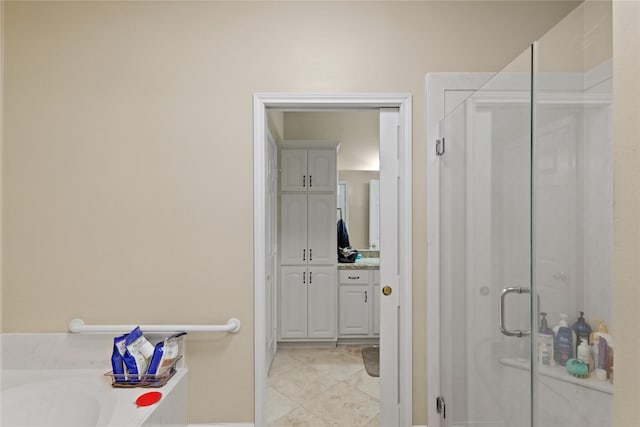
148,398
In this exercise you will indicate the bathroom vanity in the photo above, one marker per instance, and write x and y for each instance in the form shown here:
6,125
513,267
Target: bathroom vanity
359,300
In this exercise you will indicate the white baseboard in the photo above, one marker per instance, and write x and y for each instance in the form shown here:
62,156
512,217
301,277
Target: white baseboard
241,425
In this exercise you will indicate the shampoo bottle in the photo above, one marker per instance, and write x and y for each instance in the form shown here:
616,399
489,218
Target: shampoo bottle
565,341
602,328
545,343
582,330
584,354
595,341
599,345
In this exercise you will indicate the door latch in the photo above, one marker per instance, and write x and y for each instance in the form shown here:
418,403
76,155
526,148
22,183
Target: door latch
440,147
441,407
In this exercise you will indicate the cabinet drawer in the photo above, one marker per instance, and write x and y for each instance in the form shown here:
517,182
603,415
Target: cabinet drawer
353,277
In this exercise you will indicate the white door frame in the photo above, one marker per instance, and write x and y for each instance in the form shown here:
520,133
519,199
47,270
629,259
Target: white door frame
324,102
438,84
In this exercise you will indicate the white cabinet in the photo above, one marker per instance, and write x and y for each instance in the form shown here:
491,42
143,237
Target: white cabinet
305,170
308,247
307,302
293,229
321,166
358,303
293,175
307,229
321,302
353,310
293,302
321,229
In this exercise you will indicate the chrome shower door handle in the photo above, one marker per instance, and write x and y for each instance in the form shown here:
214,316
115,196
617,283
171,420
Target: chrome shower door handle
503,328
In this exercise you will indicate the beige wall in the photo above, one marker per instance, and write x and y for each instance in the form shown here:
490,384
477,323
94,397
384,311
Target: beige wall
275,121
127,180
357,131
582,42
626,116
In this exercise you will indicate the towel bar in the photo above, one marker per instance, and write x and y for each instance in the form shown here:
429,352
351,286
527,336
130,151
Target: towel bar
77,326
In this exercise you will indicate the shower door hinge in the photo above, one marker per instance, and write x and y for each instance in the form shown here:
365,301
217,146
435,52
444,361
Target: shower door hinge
441,407
440,147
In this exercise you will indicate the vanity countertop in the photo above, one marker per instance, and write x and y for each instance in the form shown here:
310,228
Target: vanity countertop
361,264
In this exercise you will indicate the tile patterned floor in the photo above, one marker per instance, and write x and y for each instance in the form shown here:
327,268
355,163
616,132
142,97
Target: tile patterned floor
318,387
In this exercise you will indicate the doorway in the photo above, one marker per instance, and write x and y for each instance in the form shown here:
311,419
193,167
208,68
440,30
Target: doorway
395,226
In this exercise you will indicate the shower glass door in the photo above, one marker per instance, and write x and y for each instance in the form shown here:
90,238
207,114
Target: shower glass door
573,213
526,223
486,253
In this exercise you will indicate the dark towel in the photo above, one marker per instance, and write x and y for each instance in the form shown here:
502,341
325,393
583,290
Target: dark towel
343,235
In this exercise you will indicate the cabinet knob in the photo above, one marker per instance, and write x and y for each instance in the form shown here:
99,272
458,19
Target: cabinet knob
365,296
304,254
310,254
304,180
387,290
310,182
354,277
304,277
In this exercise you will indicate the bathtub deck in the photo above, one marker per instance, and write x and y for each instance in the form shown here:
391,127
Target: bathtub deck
82,397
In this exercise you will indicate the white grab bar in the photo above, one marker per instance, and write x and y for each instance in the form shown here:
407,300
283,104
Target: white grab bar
77,326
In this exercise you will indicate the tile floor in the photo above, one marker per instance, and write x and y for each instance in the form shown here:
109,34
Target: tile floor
318,387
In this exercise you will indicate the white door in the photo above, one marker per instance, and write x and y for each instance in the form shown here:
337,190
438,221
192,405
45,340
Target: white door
390,185
353,309
321,168
375,309
293,229
293,302
321,302
321,229
271,201
294,170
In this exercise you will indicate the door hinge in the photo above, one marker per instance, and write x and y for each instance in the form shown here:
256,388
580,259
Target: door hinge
440,147
441,407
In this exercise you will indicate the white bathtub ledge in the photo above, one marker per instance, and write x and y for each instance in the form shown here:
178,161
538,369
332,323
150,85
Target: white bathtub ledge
52,395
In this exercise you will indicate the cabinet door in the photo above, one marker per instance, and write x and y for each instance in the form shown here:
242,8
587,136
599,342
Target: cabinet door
321,167
293,302
321,302
375,309
294,176
321,229
353,309
293,229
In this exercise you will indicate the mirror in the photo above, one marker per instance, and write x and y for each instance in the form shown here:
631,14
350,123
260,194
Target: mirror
359,208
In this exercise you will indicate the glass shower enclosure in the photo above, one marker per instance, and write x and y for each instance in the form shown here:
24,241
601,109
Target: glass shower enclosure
526,232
